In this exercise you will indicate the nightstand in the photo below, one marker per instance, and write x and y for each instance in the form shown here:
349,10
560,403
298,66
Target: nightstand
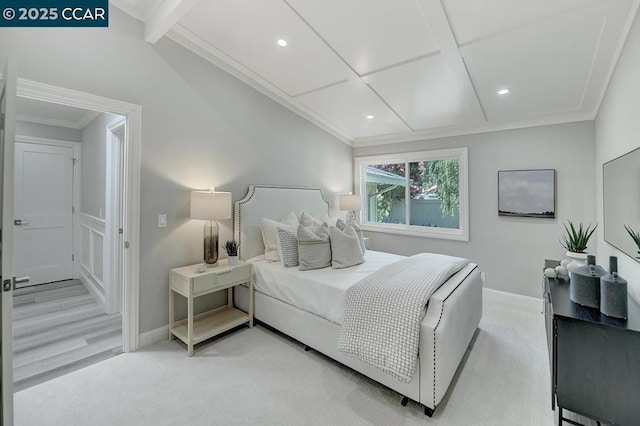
190,283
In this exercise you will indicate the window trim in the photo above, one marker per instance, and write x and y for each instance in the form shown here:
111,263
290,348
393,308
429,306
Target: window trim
461,154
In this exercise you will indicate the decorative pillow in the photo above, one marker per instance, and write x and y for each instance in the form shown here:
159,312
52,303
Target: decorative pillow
287,247
345,247
331,220
314,247
270,234
307,220
356,227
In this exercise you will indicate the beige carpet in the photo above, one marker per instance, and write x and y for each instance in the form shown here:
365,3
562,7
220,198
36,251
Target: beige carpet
257,377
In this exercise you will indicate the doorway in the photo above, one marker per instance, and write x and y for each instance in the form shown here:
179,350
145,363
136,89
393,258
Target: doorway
62,320
130,236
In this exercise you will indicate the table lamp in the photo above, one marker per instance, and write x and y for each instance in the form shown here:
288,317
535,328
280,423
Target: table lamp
350,203
210,206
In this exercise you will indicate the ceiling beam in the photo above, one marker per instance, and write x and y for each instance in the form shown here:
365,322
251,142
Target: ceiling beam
164,17
436,18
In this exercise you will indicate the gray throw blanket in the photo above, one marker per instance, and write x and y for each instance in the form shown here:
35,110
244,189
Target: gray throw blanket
383,312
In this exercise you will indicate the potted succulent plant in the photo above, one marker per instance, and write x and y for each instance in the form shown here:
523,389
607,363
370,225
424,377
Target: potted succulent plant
635,235
231,247
575,242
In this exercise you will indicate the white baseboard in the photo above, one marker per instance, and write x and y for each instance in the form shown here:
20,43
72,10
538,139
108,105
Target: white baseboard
519,296
149,338
93,288
515,298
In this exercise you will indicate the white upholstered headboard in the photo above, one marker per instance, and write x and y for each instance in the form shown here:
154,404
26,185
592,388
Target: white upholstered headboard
272,202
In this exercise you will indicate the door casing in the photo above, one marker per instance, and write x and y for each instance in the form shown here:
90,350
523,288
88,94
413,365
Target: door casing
131,188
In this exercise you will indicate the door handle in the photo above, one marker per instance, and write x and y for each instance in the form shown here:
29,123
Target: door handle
19,222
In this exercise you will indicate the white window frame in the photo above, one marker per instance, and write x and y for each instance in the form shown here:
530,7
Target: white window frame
461,154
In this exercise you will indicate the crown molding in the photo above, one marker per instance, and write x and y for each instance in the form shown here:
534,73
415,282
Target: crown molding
570,117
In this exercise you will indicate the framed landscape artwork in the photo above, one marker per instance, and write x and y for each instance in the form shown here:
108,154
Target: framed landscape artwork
527,193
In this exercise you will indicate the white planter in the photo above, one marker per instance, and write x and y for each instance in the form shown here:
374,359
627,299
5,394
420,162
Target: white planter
233,260
577,259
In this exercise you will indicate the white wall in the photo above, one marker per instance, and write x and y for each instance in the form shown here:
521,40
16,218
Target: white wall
36,130
510,250
94,165
618,132
200,127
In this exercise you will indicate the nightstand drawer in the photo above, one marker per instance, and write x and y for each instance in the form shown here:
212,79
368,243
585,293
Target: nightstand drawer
221,278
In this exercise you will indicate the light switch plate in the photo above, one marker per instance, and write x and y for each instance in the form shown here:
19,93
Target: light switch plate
162,221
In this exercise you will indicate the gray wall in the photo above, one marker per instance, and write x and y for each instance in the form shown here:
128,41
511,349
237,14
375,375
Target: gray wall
510,250
201,127
25,128
617,132
93,166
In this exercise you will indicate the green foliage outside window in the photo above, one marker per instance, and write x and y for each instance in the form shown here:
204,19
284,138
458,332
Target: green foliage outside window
424,176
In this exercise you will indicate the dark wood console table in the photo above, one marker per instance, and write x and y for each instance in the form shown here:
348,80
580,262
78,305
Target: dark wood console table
595,359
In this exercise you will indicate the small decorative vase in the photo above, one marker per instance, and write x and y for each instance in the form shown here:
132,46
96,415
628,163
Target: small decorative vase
577,260
584,286
233,260
613,292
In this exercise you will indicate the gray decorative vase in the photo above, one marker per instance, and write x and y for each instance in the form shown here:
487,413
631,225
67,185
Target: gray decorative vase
613,292
584,287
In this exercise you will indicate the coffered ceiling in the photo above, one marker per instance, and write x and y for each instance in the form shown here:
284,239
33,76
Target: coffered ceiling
378,71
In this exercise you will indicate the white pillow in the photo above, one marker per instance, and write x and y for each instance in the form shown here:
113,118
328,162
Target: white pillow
331,220
269,230
307,220
345,247
314,248
356,227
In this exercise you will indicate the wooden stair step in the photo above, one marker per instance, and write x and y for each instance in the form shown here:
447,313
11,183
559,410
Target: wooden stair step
46,295
37,309
52,320
84,328
60,360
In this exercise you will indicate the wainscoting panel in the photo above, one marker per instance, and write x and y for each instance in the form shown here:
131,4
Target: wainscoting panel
92,231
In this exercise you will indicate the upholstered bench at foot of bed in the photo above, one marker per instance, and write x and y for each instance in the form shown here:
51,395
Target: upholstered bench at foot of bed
452,318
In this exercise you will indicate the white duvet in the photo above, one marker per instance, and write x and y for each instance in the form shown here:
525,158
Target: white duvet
321,291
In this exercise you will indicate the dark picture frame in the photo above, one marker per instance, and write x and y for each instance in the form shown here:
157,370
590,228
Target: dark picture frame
527,193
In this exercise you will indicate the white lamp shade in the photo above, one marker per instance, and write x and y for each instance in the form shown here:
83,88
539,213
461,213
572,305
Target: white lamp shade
207,205
350,202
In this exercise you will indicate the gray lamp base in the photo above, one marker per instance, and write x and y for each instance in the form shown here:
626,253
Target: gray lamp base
210,243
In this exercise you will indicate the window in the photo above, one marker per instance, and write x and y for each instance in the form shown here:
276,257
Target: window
415,193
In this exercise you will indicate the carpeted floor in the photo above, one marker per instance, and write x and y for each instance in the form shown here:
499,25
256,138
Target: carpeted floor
258,377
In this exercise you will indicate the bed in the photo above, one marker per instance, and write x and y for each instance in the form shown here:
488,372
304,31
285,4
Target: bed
313,315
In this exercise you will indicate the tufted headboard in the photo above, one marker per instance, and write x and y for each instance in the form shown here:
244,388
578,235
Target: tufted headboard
272,202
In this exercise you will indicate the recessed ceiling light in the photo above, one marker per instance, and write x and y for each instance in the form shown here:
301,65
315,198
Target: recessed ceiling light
369,117
282,42
503,91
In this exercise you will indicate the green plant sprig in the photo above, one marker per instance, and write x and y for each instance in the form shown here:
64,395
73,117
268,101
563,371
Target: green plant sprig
577,238
231,247
635,235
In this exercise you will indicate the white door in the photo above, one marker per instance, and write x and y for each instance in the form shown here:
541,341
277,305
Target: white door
8,83
43,212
